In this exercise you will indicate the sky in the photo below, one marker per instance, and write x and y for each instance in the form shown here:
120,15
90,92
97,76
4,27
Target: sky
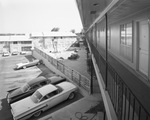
26,16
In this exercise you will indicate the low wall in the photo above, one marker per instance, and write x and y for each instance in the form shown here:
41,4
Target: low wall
46,62
63,70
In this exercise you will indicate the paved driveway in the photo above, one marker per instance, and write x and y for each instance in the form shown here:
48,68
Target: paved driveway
10,78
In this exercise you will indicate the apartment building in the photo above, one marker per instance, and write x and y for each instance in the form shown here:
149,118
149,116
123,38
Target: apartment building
118,34
13,43
54,41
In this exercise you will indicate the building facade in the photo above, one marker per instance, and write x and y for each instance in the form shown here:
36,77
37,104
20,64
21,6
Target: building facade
118,34
15,43
53,41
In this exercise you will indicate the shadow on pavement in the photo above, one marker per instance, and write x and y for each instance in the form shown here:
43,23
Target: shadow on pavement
5,113
29,58
46,72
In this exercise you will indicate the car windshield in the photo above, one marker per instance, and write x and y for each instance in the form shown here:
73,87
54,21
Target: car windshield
25,87
36,97
6,53
16,66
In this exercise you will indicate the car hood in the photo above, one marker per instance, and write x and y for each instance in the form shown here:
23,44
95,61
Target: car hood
20,64
22,106
15,93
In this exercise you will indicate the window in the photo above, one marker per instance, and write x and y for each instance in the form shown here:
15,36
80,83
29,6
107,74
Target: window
126,34
15,42
129,34
126,40
43,83
27,48
109,38
25,87
34,87
52,93
26,42
44,98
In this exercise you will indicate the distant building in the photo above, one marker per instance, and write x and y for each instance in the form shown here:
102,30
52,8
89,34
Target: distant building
15,43
54,41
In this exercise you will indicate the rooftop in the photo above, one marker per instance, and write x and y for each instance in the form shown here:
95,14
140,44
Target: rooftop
15,38
53,34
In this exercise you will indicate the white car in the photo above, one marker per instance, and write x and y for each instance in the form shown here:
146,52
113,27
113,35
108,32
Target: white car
23,52
5,54
27,64
42,99
15,53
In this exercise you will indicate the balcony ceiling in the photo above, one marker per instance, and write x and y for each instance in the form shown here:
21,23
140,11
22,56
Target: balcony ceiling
91,9
126,8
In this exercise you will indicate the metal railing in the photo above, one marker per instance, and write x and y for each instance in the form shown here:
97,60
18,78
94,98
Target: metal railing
75,76
125,103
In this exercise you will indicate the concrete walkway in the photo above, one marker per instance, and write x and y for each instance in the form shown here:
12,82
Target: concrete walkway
87,108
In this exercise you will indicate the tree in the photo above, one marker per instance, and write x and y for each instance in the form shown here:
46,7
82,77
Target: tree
73,31
55,29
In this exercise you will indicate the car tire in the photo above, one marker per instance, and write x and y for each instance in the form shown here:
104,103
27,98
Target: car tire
24,67
41,62
71,96
37,114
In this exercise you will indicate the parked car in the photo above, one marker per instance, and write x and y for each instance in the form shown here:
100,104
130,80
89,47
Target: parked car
30,87
27,64
74,56
14,53
23,52
5,54
42,99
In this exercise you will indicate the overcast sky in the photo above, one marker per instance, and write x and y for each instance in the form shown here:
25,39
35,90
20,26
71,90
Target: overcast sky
38,15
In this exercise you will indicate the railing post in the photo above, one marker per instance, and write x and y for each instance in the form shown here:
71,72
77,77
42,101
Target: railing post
72,74
52,61
91,85
79,80
104,117
57,65
63,68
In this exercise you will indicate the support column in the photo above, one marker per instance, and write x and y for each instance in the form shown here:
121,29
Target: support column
106,51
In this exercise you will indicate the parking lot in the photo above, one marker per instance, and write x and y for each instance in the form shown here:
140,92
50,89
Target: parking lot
10,78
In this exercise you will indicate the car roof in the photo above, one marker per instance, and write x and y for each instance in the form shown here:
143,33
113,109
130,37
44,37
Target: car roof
47,89
55,78
66,85
36,80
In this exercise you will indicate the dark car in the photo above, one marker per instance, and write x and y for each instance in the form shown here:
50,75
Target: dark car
30,87
74,56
